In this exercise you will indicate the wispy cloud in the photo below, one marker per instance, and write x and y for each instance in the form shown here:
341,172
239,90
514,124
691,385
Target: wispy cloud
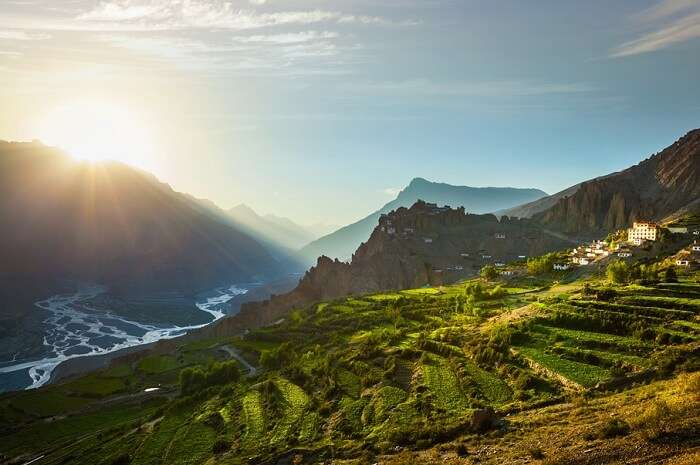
513,88
392,191
22,35
152,15
242,54
672,22
288,38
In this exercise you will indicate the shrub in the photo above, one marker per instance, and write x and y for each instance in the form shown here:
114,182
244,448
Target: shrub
614,428
541,265
220,446
618,272
489,273
670,275
535,452
123,459
654,420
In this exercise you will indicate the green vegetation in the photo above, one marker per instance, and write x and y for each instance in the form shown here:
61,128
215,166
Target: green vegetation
356,377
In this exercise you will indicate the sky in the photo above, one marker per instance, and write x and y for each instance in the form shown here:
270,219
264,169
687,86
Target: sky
322,110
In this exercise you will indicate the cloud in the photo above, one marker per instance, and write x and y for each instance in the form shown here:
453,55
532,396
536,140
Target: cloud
288,38
201,14
513,88
244,54
22,35
392,191
680,22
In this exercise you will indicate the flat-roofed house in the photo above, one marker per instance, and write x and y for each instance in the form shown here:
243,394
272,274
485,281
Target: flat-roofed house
642,231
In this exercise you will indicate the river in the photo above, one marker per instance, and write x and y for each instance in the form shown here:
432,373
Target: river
74,329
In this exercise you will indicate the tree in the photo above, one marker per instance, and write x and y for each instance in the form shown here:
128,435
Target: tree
541,265
489,273
670,276
618,272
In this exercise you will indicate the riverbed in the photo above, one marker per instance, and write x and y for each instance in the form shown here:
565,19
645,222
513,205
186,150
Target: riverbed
75,329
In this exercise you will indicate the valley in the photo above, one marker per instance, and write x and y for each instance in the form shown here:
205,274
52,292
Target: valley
471,372
78,327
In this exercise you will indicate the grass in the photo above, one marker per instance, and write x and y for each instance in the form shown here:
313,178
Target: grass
491,386
582,374
444,385
155,364
191,445
45,435
590,336
46,403
253,416
294,402
95,386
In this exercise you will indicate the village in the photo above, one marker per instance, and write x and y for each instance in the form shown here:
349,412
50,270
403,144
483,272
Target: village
635,242
638,238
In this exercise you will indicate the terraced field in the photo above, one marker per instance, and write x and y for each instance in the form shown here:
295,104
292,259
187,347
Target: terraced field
370,373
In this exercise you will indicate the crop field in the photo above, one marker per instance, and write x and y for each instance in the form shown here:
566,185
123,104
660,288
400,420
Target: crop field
580,373
444,385
253,416
293,403
366,373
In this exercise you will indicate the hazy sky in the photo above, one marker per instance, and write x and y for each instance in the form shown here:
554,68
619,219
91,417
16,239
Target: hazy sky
320,110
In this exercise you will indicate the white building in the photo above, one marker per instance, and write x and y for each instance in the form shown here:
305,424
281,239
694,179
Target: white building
695,248
428,240
624,254
500,235
642,231
682,262
580,260
561,266
678,229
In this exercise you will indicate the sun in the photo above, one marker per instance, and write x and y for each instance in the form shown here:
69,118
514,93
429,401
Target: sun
97,131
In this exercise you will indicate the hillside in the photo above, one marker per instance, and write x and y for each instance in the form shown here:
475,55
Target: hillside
412,247
111,223
656,188
342,243
277,231
536,369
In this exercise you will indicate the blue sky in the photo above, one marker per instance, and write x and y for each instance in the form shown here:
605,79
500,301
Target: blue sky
320,110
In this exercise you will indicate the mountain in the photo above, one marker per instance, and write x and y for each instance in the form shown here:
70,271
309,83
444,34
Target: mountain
528,210
410,247
343,242
275,230
661,186
116,225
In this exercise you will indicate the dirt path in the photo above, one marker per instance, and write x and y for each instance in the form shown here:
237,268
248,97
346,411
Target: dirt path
252,371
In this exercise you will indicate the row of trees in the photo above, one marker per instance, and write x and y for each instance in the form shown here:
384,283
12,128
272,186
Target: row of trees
620,272
193,380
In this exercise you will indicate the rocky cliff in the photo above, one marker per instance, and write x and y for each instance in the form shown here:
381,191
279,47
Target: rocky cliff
409,247
654,189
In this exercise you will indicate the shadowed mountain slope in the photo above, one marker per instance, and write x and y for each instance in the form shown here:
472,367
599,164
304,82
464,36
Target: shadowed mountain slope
654,189
113,224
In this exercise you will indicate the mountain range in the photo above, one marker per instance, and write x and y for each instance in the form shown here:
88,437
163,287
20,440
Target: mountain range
342,243
274,230
114,224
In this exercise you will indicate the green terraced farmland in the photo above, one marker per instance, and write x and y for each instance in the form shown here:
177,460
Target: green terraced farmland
580,373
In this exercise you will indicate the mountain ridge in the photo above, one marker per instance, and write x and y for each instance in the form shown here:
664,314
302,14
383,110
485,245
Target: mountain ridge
343,242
